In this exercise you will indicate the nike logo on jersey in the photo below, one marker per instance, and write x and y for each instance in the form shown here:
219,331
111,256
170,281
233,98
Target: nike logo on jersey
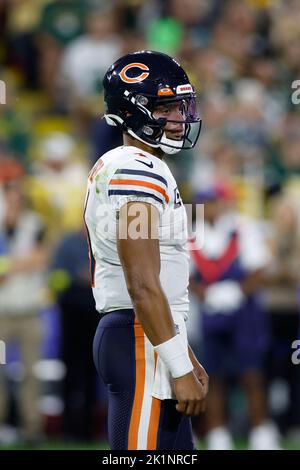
149,165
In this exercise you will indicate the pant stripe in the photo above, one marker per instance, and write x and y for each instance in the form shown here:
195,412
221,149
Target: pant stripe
140,365
145,415
154,418
154,424
147,398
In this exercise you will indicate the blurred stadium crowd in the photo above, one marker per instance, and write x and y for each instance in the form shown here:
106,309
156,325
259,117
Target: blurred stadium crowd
242,56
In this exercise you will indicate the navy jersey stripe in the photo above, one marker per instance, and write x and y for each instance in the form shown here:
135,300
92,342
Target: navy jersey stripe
125,171
130,192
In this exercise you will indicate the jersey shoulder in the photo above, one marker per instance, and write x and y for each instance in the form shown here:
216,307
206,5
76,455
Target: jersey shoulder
138,174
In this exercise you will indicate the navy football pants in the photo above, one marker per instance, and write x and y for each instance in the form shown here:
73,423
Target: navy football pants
125,360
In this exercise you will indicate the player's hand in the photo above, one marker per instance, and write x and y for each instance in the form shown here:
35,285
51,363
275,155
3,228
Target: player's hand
190,393
200,372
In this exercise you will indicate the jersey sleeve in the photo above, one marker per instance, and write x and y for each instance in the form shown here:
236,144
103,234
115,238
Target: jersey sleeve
137,182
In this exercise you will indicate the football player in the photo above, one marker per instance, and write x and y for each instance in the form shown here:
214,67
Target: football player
137,233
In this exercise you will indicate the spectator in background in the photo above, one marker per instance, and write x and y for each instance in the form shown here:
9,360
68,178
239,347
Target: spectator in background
22,295
284,241
282,302
14,129
70,281
103,138
92,53
227,275
61,22
57,187
85,61
23,18
182,27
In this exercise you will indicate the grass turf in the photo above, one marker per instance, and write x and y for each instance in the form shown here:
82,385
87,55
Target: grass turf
61,445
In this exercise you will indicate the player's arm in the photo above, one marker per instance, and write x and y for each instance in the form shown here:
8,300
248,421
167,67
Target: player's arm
140,259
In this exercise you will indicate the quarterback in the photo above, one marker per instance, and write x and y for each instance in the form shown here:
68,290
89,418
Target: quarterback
137,233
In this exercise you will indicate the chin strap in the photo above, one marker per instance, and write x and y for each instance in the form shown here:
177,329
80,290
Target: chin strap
163,144
170,150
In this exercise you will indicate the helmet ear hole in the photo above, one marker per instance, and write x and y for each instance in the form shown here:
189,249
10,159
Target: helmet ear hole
142,100
148,130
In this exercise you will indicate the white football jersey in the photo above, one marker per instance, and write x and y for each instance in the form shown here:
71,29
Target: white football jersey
120,176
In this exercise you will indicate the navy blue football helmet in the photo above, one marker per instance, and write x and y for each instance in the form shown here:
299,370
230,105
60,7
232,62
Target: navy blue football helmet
139,82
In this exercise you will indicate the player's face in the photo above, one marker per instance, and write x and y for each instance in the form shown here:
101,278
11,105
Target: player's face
175,111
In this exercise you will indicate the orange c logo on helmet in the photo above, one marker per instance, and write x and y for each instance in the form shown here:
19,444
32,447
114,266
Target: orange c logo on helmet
137,79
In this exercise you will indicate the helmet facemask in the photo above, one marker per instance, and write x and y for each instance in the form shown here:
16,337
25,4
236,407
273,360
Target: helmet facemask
190,121
136,117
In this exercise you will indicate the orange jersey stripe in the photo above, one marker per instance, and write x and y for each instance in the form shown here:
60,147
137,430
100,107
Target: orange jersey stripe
141,183
139,386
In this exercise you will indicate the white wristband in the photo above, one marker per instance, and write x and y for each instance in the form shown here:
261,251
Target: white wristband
175,356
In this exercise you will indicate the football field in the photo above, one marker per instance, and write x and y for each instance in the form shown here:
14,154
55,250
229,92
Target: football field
60,445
